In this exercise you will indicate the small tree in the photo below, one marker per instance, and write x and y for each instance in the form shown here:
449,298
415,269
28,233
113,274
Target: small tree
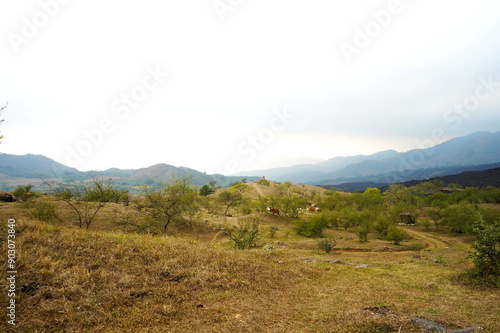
172,201
84,199
460,217
290,204
206,190
382,226
436,216
362,232
106,191
486,254
234,196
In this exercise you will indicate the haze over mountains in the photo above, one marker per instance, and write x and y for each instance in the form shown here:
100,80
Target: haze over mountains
477,151
479,148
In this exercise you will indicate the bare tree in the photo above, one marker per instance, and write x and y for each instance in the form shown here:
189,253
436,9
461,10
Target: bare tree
234,196
84,199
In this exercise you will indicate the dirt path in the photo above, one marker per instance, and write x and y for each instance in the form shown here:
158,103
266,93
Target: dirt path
257,188
431,241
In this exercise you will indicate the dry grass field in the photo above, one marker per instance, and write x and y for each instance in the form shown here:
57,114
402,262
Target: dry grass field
106,280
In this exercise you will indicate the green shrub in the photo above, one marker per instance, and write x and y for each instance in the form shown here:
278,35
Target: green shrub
314,227
486,254
396,235
23,193
206,190
245,235
416,246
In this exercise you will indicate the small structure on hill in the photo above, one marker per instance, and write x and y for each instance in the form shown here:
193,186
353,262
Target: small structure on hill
407,218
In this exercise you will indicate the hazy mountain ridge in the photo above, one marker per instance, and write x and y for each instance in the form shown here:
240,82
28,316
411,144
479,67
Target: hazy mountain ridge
483,178
479,148
31,166
23,169
308,173
413,177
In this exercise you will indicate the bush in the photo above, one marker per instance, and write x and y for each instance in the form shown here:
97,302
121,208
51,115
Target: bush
206,190
396,235
486,255
23,193
43,211
416,246
327,244
245,235
314,227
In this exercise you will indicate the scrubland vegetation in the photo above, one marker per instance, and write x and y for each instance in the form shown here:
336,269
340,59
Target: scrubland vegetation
255,257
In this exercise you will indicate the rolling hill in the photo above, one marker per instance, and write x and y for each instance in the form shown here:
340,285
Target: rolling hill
31,166
18,170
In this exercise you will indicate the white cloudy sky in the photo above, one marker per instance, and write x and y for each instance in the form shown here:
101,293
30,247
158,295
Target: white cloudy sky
68,67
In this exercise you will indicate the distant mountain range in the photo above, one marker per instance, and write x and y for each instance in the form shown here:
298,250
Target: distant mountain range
386,167
483,178
18,170
475,152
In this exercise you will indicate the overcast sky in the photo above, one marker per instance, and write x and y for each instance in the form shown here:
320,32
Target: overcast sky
228,85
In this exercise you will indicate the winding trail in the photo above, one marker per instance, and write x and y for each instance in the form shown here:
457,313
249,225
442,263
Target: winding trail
432,242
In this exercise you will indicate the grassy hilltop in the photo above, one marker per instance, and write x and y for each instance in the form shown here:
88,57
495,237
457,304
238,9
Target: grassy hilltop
117,277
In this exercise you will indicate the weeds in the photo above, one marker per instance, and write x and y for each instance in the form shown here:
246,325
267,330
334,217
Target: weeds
43,211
